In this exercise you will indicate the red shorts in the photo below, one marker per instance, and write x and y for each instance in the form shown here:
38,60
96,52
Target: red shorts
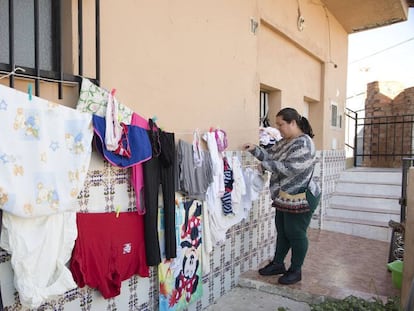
108,250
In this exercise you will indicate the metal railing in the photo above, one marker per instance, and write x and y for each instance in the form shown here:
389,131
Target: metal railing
398,228
407,163
387,139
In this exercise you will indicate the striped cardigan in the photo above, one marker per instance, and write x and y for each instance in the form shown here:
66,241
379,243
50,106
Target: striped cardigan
291,163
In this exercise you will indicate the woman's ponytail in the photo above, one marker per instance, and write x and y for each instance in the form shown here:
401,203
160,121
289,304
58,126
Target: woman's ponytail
305,126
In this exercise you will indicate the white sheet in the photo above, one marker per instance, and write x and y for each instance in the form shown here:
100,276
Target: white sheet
45,150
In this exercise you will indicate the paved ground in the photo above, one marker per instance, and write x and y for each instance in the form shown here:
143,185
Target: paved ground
350,265
247,299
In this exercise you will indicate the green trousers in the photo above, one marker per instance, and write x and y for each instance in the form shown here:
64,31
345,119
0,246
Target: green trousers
292,234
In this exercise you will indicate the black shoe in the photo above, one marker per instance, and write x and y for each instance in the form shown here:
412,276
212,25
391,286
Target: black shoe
273,268
290,277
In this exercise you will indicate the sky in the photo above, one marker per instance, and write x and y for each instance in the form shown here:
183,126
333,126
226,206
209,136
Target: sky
381,54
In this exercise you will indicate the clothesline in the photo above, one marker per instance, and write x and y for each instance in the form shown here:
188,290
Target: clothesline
8,74
15,73
191,132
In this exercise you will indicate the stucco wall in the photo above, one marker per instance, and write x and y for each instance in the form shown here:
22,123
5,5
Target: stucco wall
192,64
200,64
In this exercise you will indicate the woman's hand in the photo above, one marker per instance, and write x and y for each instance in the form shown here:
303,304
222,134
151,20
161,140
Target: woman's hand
248,147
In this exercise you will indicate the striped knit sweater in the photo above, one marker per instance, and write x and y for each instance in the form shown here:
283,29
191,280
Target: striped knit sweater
291,163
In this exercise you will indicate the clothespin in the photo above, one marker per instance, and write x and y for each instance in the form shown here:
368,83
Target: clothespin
113,92
117,210
154,119
29,91
211,129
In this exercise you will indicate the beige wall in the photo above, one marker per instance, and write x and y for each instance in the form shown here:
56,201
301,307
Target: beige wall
191,64
198,64
300,64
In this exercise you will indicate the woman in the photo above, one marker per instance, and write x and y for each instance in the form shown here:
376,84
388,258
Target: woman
291,162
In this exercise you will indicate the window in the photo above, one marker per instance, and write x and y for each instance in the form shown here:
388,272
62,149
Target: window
264,109
23,31
38,37
336,119
334,112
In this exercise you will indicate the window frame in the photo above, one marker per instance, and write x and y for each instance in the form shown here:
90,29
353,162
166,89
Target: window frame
336,117
56,74
263,107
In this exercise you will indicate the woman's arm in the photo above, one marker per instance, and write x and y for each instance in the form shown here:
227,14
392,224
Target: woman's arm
258,152
293,159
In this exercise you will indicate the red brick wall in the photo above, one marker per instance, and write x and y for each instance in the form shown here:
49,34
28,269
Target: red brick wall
384,130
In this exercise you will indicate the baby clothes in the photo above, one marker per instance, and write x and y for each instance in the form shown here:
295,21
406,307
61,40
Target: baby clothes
239,187
255,183
194,180
217,165
137,174
113,129
268,136
94,99
109,249
228,188
135,142
40,247
197,152
45,152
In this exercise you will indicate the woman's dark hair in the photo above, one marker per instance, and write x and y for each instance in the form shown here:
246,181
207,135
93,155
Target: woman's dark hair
290,114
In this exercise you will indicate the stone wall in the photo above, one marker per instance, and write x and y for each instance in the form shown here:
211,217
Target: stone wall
388,128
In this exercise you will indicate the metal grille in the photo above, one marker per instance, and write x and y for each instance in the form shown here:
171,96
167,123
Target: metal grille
398,228
384,139
37,72
264,108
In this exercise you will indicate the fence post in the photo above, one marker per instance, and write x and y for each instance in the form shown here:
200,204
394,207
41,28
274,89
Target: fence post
406,164
408,269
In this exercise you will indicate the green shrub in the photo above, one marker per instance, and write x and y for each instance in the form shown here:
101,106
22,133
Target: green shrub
352,303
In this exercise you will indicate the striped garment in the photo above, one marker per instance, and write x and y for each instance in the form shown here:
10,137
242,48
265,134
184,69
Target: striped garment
291,162
228,188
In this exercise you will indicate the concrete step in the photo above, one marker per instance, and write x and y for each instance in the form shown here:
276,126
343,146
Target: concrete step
372,223
365,201
376,230
373,175
369,189
367,209
363,213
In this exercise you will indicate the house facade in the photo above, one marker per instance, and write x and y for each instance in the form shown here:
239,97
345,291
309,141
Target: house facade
191,66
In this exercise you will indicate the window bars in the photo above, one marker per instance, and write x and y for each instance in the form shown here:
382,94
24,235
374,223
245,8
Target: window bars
36,71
